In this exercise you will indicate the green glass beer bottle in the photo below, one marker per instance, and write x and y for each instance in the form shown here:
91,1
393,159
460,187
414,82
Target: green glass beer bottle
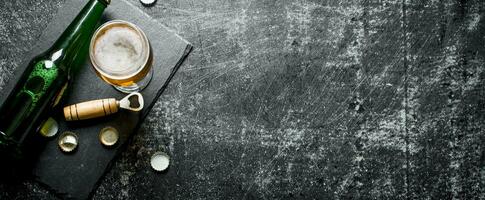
45,79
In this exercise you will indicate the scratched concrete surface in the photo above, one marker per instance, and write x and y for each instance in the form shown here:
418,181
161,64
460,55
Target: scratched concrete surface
301,99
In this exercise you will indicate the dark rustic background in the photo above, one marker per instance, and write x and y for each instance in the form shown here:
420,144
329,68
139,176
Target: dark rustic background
301,99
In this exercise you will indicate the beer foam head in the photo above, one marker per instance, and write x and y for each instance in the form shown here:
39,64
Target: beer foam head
120,51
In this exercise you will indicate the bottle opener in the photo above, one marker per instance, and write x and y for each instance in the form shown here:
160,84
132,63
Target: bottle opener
103,107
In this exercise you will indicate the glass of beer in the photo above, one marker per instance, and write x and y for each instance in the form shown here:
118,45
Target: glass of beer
121,55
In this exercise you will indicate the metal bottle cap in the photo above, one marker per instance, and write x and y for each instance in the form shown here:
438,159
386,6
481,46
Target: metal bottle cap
49,128
160,161
68,141
148,2
108,136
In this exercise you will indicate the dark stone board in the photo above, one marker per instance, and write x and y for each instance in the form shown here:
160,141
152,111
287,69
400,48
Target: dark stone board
75,175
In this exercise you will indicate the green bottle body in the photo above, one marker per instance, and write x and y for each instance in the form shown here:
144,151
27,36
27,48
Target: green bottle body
42,84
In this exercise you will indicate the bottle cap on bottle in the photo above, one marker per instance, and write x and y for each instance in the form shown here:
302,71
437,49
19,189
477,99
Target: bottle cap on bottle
68,141
108,136
107,1
160,161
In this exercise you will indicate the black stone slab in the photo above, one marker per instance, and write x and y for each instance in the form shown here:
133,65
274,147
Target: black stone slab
75,175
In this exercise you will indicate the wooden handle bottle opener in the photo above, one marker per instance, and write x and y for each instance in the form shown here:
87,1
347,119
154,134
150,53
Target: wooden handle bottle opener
103,107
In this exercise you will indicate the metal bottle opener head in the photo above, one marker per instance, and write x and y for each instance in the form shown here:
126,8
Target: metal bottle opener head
133,102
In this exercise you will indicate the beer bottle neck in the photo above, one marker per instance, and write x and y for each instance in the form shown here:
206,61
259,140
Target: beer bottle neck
72,44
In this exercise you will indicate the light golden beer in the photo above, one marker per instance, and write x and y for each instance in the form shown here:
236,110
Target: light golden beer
121,55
